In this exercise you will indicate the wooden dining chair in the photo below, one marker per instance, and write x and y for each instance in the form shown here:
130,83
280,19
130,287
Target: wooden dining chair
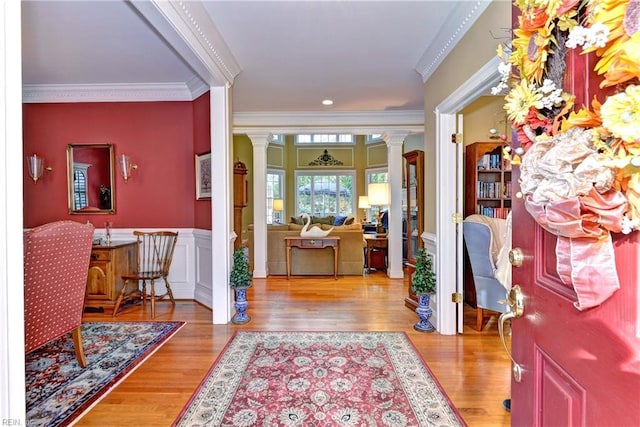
155,252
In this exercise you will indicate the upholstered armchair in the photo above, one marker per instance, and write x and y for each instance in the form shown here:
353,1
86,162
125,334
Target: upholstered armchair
56,263
488,241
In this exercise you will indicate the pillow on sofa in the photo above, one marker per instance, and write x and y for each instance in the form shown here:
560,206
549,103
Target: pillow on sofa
339,220
350,220
296,220
329,219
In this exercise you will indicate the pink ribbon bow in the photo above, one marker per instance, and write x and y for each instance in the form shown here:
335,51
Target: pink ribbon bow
584,250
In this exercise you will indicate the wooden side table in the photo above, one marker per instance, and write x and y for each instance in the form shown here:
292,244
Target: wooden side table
104,279
372,242
313,243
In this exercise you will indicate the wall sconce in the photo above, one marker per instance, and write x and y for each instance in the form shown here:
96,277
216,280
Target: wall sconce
36,167
278,206
363,203
125,164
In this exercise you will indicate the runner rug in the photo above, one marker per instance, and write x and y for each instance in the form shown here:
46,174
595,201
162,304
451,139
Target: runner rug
319,379
59,390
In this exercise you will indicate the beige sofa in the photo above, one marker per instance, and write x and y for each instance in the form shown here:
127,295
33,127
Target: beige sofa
312,261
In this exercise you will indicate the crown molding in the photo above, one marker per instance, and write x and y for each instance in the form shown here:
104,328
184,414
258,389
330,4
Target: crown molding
141,92
356,122
188,28
463,17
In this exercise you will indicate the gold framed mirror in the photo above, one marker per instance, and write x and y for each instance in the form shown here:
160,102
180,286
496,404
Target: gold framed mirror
90,179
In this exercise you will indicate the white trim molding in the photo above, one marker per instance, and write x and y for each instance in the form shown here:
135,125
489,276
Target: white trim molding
462,19
139,92
449,261
356,122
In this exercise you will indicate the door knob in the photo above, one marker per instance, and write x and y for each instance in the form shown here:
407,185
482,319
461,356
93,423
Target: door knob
516,257
516,309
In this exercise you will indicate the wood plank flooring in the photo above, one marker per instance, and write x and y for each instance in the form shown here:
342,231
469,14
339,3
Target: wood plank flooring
473,368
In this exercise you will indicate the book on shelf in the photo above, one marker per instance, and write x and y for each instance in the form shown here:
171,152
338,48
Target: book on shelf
493,211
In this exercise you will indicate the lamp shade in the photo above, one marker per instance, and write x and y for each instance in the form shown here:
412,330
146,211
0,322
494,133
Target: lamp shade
363,202
378,193
35,165
278,205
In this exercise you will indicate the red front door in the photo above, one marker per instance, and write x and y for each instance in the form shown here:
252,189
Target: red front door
578,368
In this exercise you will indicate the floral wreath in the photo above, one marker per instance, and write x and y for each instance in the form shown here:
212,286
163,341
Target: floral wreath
580,171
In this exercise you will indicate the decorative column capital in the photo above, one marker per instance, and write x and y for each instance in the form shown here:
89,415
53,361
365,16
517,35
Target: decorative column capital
394,137
260,139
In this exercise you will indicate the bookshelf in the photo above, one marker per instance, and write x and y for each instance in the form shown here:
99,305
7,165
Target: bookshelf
487,192
487,180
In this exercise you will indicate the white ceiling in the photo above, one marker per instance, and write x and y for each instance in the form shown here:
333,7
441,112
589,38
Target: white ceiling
368,56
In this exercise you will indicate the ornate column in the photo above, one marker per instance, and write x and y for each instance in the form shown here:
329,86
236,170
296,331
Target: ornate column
394,140
260,142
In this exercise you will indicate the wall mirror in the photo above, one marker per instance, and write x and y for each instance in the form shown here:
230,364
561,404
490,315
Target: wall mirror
90,178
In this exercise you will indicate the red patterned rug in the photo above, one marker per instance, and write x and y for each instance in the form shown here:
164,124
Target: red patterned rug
319,379
59,390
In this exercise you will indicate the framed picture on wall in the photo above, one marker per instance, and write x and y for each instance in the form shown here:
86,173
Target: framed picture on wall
203,176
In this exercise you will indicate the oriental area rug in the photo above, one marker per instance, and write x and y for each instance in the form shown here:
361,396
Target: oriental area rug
319,379
58,390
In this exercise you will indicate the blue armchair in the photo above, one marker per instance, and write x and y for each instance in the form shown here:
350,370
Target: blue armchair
487,241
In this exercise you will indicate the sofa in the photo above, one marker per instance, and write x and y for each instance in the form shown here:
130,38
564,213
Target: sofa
312,261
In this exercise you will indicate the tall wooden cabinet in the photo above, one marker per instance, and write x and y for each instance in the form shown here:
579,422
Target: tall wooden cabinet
487,180
413,214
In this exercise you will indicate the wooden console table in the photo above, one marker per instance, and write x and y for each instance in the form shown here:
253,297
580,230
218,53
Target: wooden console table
104,280
313,243
373,241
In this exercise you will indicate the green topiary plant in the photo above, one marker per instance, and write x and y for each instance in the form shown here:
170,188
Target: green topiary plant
240,276
424,279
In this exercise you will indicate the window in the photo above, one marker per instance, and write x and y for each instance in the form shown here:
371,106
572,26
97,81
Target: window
277,139
325,193
275,191
373,138
375,176
325,138
80,190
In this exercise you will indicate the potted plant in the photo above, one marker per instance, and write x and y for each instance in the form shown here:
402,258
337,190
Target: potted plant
423,284
240,281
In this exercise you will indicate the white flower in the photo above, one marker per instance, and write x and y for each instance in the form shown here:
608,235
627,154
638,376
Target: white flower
628,225
577,37
597,36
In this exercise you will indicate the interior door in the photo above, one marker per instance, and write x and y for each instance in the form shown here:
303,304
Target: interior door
577,368
459,208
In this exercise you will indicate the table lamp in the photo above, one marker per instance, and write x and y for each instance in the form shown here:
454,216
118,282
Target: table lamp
278,206
363,203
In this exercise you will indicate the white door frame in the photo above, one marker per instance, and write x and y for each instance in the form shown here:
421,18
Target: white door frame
449,251
12,382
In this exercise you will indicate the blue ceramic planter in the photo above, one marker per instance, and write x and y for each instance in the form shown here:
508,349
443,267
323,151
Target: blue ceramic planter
424,313
241,306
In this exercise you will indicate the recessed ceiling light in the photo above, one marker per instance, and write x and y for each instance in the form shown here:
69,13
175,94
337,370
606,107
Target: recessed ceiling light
327,102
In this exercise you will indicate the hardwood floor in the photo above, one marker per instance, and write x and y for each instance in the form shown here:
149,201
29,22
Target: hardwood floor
473,368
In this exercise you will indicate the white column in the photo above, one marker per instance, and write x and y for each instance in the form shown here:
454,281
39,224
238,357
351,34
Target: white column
394,142
260,142
222,234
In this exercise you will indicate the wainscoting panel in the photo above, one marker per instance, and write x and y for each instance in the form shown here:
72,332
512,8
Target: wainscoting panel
183,266
203,289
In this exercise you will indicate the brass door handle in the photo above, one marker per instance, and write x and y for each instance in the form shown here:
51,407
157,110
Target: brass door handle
516,257
516,309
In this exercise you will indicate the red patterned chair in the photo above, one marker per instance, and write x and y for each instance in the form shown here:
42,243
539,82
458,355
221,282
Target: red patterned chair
56,262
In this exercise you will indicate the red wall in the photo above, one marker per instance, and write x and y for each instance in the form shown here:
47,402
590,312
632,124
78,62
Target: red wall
160,137
202,144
